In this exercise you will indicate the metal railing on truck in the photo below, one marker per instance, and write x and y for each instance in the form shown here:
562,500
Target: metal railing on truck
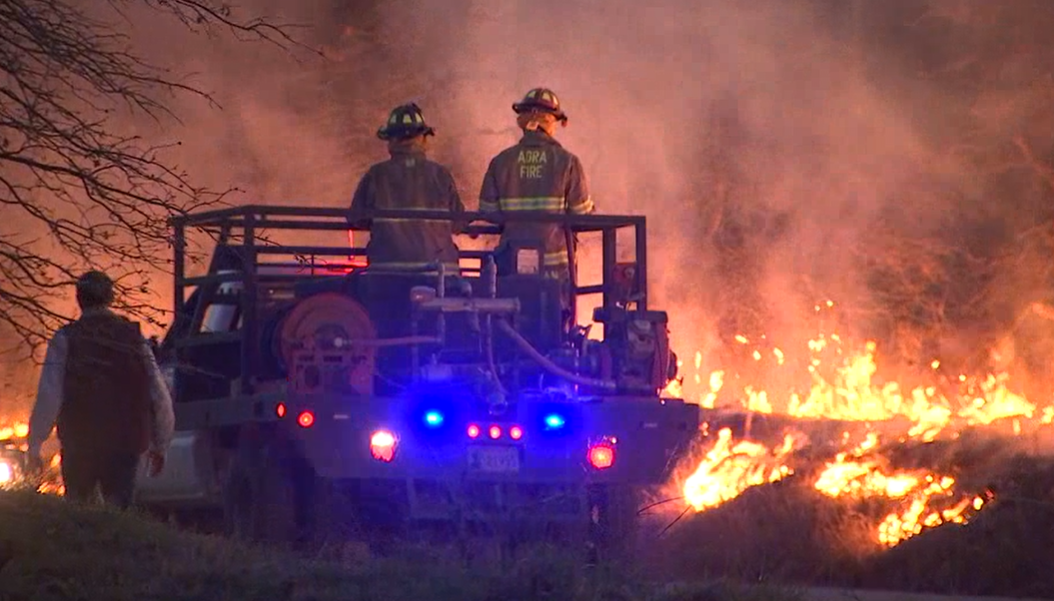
246,224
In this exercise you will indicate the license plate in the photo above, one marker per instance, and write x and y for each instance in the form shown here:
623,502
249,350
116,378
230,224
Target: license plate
493,459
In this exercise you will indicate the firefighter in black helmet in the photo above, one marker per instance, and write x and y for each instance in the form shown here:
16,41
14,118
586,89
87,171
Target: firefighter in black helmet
537,174
407,181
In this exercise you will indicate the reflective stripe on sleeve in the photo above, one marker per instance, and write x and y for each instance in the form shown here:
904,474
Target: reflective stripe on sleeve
584,207
558,257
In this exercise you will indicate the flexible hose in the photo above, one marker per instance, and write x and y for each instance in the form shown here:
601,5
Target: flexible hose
490,354
542,360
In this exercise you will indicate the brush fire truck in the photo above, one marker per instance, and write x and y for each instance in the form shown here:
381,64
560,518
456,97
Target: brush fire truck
307,384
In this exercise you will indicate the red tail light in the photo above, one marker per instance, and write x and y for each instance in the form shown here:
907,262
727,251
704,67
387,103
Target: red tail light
494,432
279,410
306,419
473,431
515,432
382,446
602,455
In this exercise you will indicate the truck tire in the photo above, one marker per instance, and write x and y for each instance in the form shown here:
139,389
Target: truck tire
613,521
264,494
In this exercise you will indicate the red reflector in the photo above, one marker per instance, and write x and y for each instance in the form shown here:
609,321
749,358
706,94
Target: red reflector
280,410
515,432
382,446
495,432
473,431
306,419
602,455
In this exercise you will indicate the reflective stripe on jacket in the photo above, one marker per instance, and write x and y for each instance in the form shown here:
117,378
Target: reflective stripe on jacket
537,174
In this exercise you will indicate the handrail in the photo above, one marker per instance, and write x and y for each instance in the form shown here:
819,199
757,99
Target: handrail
260,214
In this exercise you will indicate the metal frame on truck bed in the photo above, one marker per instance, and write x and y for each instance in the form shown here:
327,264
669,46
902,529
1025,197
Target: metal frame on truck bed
298,371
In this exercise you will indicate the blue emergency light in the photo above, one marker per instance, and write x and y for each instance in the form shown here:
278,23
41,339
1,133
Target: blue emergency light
433,419
554,421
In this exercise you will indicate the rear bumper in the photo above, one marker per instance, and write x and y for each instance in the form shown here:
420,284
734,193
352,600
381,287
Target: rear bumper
648,436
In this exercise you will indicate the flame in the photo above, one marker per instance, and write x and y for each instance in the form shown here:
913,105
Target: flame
728,470
843,386
898,527
52,482
926,499
717,381
851,393
15,430
864,478
675,389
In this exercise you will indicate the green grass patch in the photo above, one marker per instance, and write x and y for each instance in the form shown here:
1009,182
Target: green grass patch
51,550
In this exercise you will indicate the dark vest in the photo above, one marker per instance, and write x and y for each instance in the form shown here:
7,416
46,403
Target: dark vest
106,391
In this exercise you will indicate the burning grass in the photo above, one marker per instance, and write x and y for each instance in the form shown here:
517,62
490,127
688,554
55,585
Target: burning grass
1005,550
791,533
834,476
871,506
837,477
832,381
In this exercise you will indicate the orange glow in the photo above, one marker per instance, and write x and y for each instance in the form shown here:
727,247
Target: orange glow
353,261
728,469
16,430
382,446
843,384
602,455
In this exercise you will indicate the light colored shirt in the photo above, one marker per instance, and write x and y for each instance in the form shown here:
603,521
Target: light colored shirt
49,398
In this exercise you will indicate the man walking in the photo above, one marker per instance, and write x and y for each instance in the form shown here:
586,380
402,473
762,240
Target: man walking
101,388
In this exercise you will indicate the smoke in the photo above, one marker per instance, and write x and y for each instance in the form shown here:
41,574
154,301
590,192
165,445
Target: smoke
767,150
744,124
730,125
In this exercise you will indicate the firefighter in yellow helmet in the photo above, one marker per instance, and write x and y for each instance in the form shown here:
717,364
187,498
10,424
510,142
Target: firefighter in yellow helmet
537,174
407,181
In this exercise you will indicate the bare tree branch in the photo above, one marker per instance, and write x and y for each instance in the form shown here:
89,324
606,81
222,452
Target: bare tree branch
76,192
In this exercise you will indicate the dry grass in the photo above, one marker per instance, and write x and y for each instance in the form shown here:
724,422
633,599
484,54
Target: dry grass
51,550
788,534
781,533
1006,550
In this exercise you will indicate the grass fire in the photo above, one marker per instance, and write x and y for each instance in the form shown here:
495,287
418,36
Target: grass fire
849,212
861,463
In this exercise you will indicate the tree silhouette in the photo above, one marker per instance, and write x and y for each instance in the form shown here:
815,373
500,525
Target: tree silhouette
74,190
